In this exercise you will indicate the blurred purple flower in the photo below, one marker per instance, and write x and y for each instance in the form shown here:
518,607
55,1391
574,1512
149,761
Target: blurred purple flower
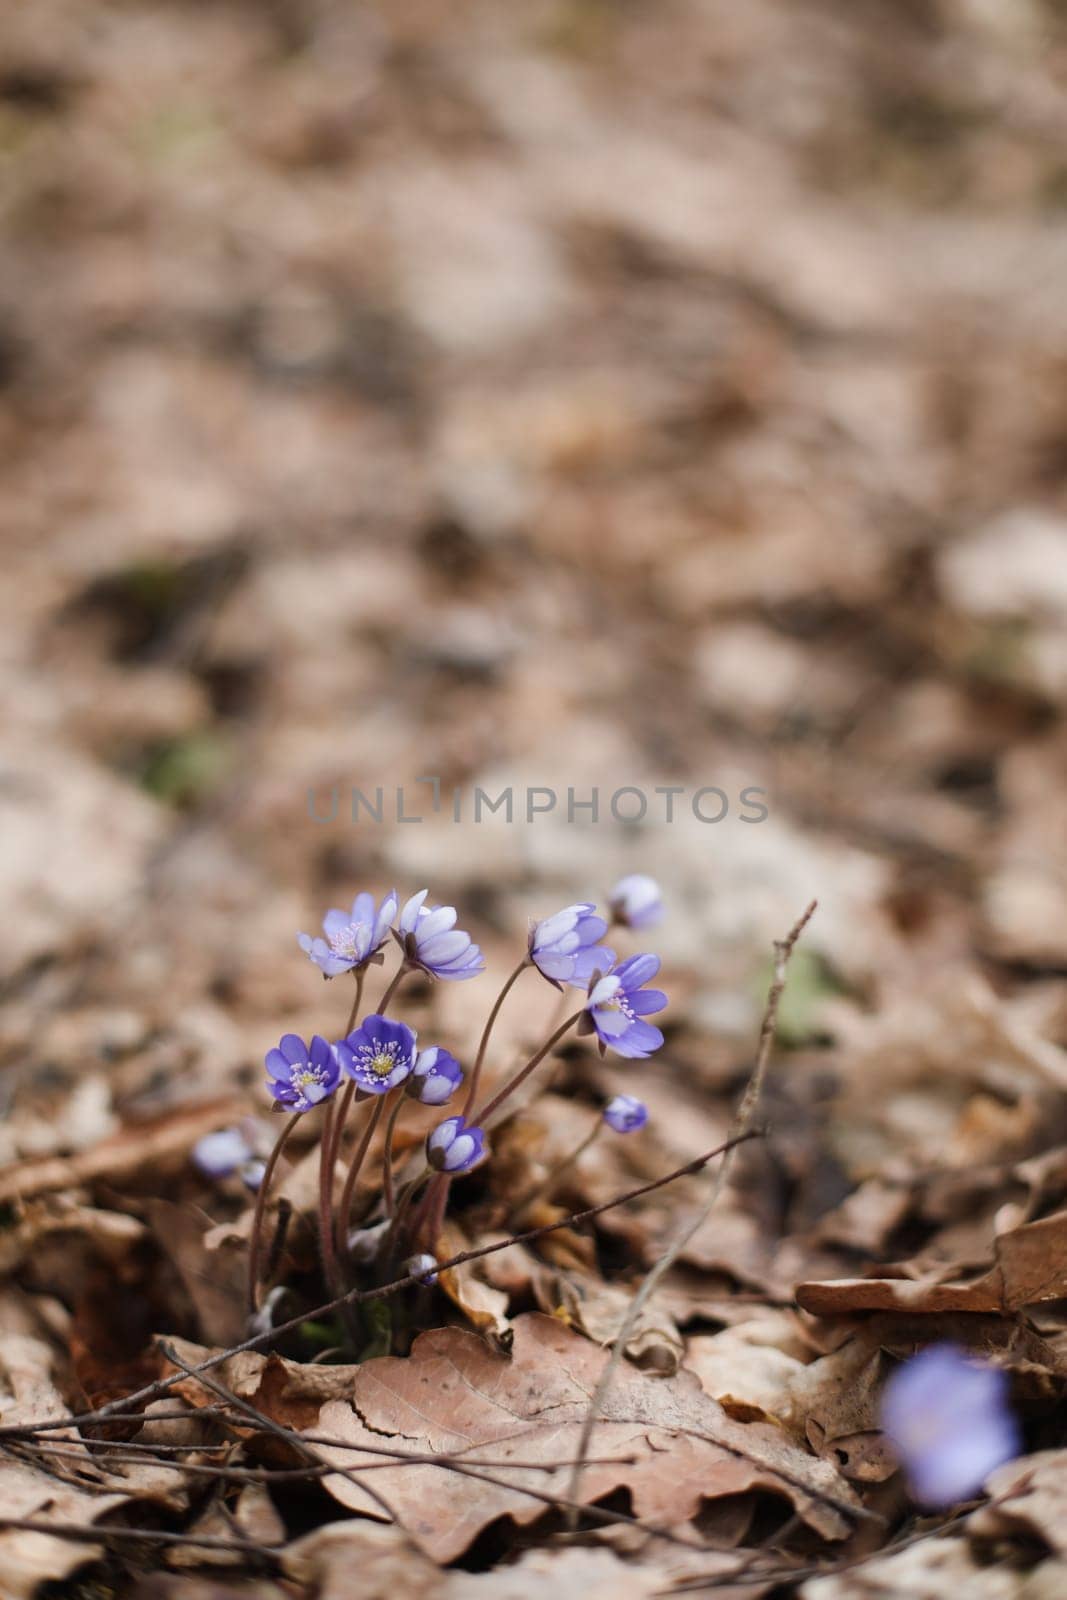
455,1147
564,947
423,1267
301,1076
950,1421
435,1076
432,941
636,901
219,1155
378,1054
625,1113
352,937
616,1004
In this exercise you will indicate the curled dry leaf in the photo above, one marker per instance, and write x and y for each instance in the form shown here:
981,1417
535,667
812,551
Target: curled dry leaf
484,1306
669,1444
1030,1267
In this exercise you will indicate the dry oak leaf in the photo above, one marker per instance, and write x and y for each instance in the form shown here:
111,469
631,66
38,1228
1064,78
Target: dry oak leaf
1030,1266
669,1444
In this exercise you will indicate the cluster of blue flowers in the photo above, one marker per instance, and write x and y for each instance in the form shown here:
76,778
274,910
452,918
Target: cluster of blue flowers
379,1054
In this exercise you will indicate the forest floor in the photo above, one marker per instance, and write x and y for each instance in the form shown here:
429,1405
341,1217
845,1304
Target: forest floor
574,396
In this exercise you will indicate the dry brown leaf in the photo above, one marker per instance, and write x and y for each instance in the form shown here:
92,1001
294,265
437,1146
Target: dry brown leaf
215,1279
746,1369
161,1145
865,1218
76,1232
28,1394
484,1306
835,1405
1028,1499
575,1574
289,1392
387,1560
252,1516
1030,1267
937,1057
924,1571
454,1396
598,1310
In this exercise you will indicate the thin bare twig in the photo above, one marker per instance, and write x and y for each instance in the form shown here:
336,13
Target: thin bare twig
742,1123
101,1533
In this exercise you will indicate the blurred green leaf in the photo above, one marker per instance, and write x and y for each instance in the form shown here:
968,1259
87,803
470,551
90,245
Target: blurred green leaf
184,770
810,982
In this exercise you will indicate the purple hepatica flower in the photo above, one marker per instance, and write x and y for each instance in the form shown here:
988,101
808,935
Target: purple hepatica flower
564,948
636,901
453,1146
617,1003
951,1423
625,1113
352,937
432,941
219,1155
423,1267
301,1075
378,1054
435,1076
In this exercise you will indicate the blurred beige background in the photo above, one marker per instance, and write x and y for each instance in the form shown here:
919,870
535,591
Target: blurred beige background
576,393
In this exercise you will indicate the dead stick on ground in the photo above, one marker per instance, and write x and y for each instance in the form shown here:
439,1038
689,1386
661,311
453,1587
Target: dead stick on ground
742,1123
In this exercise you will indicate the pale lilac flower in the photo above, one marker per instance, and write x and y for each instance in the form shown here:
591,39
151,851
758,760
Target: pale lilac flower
950,1421
455,1147
378,1054
301,1075
564,947
625,1113
422,1267
221,1154
432,941
617,1003
352,937
636,901
252,1173
435,1076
